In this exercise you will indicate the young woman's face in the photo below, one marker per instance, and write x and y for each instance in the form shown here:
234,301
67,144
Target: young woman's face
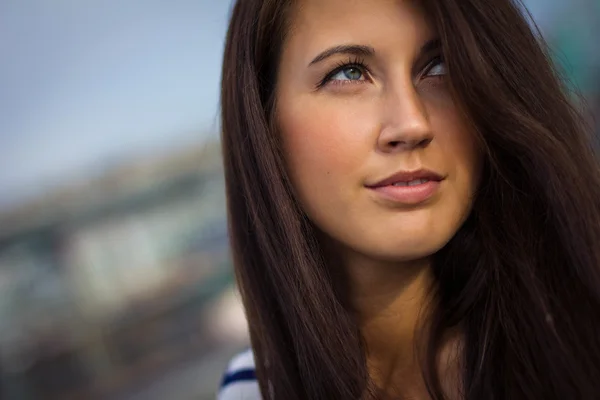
380,158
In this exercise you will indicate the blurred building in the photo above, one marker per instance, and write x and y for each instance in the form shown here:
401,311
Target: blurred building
107,280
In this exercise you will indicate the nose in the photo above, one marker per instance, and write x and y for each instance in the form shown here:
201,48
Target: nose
405,123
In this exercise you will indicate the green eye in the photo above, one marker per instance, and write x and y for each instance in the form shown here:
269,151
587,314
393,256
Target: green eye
350,73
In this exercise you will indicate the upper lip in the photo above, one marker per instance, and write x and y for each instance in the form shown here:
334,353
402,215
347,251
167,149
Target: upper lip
408,176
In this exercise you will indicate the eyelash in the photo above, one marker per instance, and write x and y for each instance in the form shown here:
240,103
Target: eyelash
360,64
356,62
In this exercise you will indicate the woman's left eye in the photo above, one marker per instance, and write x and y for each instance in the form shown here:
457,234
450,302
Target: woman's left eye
436,68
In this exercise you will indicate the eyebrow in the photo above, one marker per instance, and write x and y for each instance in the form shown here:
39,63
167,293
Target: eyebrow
352,49
367,51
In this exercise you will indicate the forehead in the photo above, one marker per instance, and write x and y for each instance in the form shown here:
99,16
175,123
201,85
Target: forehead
315,24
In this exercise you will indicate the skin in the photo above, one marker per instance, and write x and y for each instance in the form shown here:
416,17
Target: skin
362,126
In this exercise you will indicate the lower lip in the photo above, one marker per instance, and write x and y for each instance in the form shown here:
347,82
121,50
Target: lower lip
410,195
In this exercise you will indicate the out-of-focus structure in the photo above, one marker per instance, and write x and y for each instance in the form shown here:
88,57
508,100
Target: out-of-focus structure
108,282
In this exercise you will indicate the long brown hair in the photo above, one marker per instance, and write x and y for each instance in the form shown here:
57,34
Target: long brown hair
521,277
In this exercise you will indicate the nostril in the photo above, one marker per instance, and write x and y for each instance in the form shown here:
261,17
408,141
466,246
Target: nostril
393,144
425,142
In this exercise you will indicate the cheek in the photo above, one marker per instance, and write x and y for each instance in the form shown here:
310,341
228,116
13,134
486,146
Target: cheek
458,147
313,142
323,143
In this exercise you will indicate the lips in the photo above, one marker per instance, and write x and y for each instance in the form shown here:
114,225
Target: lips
408,188
414,182
406,178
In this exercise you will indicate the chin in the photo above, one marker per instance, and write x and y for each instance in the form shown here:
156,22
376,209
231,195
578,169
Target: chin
410,249
403,254
410,237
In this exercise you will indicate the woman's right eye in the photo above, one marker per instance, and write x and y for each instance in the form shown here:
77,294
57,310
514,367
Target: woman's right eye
348,73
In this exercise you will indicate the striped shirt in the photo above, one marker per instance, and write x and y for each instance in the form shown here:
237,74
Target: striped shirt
239,382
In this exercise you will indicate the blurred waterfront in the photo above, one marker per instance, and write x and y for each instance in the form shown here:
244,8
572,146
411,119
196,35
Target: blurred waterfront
115,276
111,283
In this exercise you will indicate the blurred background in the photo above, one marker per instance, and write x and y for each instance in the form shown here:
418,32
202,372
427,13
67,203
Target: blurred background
115,276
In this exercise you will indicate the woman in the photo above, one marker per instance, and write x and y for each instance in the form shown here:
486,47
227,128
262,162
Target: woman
414,205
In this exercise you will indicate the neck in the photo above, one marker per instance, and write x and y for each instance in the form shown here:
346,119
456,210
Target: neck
391,302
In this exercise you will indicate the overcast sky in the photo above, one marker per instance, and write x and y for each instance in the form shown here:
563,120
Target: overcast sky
86,82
